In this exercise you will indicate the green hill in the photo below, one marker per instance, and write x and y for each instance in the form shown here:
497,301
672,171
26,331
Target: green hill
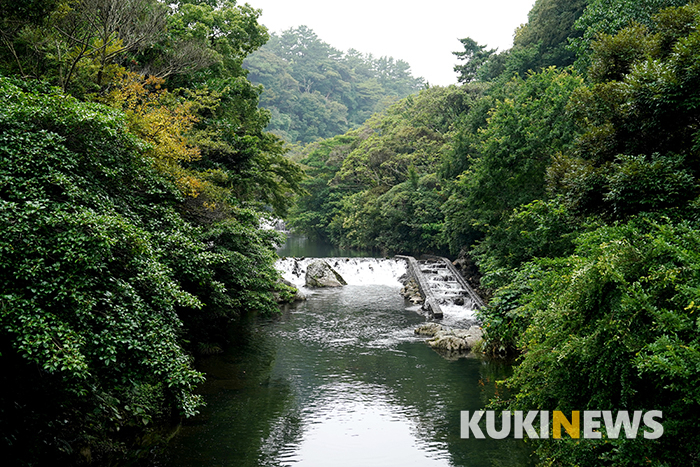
315,91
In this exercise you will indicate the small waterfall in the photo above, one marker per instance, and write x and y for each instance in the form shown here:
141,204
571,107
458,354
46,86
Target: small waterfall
355,271
452,297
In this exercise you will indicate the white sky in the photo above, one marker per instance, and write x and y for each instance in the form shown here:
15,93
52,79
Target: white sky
424,34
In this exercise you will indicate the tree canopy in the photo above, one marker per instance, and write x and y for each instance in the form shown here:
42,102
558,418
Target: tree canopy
135,174
315,91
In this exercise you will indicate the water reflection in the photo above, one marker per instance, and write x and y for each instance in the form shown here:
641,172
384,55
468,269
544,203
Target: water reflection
356,429
298,246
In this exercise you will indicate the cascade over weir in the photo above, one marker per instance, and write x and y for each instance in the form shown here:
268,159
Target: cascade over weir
440,284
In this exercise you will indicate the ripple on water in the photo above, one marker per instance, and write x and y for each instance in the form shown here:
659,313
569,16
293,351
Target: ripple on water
359,425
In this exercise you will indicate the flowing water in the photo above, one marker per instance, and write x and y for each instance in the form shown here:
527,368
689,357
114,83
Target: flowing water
341,380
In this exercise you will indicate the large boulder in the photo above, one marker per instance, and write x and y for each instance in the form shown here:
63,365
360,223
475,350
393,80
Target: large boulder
428,329
452,340
471,336
448,342
320,274
411,292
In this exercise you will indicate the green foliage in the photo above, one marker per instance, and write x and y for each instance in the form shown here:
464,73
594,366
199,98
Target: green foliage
313,213
89,299
104,283
411,133
315,91
611,325
474,57
407,218
82,46
377,186
507,160
627,160
578,195
538,229
638,151
656,184
610,16
613,56
204,40
129,236
540,43
613,328
547,33
239,155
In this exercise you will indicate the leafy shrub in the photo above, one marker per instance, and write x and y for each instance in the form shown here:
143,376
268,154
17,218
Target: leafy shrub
613,327
98,273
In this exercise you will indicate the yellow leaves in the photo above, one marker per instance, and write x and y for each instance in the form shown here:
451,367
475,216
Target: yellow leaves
166,129
210,205
163,120
188,183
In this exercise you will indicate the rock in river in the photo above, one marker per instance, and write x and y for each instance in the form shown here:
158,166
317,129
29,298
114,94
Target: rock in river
320,274
450,339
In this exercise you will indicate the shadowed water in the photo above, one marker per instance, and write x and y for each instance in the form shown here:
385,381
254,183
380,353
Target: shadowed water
341,380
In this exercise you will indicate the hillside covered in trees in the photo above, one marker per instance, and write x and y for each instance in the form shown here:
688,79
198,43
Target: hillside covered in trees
566,170
135,173
315,91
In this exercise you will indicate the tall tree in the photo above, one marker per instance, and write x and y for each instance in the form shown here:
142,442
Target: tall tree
474,57
609,17
549,29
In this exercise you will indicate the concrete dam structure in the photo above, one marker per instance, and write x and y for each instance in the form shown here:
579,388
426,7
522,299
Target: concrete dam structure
441,285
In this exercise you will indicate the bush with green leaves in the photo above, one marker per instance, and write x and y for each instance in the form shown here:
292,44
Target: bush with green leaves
377,186
102,281
526,128
405,218
610,16
615,327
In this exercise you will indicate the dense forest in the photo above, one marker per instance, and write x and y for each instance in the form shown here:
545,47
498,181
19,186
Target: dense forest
135,173
315,91
565,174
139,159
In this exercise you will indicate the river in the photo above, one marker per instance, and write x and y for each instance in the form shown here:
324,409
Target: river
341,380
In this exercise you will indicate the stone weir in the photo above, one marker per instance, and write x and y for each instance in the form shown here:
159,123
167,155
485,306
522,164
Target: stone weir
441,285
474,298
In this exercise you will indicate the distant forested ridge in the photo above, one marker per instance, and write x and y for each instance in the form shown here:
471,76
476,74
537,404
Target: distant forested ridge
565,171
315,91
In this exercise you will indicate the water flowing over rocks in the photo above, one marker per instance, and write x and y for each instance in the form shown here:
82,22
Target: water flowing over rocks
428,285
411,292
321,274
355,271
439,287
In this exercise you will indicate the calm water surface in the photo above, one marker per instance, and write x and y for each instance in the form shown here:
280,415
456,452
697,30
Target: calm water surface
341,380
